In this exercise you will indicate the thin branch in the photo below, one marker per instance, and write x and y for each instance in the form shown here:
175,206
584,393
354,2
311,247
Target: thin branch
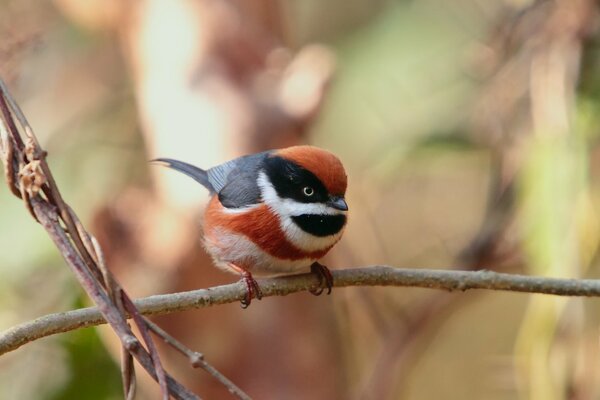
34,177
47,216
197,360
450,280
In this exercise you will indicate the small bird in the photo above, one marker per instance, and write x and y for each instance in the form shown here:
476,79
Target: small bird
272,213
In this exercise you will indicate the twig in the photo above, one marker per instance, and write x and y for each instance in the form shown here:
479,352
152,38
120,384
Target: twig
33,177
116,295
47,216
142,326
8,144
450,280
197,360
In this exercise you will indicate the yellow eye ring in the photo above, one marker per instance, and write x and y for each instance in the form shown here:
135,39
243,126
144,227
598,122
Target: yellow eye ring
308,191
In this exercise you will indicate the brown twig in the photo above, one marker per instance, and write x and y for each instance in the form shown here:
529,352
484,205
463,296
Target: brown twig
115,294
78,248
48,217
197,360
450,280
142,326
8,144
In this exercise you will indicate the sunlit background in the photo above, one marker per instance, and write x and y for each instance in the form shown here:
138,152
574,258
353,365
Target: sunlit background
469,130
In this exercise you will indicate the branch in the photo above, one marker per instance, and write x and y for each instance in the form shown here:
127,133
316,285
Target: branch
29,178
450,280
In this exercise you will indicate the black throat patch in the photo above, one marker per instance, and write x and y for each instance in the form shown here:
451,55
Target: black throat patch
320,225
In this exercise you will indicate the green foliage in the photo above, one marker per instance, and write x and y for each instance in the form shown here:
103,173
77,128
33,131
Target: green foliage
94,375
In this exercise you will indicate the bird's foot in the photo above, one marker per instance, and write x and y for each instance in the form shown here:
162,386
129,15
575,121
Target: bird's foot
325,278
252,288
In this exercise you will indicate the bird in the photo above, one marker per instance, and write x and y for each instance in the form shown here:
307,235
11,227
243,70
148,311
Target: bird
272,213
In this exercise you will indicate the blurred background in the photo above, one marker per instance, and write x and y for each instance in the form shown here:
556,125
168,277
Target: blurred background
469,130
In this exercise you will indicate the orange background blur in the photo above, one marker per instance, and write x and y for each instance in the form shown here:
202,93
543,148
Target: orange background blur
469,130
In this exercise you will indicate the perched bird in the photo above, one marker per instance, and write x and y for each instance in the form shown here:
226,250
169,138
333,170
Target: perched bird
272,213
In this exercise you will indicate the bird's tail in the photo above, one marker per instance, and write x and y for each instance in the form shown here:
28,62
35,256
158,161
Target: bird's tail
198,174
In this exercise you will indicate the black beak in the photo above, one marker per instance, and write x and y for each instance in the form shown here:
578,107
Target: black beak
338,203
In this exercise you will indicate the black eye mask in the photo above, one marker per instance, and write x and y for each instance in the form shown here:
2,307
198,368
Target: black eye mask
289,180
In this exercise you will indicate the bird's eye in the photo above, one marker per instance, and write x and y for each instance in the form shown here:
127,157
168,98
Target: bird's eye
308,191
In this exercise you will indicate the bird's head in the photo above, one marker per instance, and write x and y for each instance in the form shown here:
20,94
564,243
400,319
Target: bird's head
306,186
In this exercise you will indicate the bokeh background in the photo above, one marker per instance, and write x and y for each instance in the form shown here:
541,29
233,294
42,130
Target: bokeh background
469,130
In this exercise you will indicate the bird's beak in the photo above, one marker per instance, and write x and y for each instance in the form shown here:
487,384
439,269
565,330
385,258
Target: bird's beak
338,203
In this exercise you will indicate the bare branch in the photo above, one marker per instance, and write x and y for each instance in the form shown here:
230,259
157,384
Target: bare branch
450,280
33,179
48,217
197,360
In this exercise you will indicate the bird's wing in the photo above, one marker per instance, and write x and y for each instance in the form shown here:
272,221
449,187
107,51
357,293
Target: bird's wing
235,180
217,176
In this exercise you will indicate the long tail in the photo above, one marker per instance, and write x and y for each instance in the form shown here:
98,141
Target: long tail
198,174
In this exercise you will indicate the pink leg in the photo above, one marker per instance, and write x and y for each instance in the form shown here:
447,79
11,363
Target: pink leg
325,278
252,288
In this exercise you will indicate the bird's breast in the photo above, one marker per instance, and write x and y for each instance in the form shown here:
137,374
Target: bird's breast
281,238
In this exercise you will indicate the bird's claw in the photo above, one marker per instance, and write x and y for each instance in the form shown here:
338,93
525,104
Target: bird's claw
252,289
325,278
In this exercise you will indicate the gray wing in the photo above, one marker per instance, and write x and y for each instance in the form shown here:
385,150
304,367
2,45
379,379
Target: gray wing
235,180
